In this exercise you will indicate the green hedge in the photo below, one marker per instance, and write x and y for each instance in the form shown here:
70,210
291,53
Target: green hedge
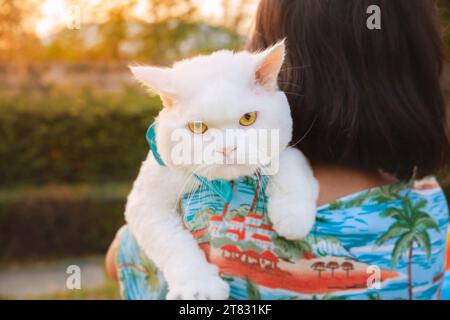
77,137
60,221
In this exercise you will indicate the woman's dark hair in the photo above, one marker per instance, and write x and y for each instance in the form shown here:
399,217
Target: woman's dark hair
362,98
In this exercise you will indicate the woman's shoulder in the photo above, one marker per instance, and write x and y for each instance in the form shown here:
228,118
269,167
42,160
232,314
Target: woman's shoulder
425,191
337,182
354,187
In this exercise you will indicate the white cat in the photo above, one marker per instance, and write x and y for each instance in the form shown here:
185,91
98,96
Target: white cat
224,90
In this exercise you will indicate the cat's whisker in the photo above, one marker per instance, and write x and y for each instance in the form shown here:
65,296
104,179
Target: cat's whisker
294,68
293,94
187,190
207,169
264,171
190,194
290,84
306,133
209,197
202,186
273,184
189,179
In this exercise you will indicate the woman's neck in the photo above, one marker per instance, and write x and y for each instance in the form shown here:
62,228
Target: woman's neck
337,181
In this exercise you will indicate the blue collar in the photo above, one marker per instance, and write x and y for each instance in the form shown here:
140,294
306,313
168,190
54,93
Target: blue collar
151,139
222,188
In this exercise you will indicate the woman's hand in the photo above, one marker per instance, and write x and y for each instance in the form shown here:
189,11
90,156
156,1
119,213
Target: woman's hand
110,260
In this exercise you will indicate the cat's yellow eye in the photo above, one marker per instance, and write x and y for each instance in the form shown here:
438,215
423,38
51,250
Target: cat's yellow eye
248,119
197,127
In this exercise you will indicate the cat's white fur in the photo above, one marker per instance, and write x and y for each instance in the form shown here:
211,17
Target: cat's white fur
216,89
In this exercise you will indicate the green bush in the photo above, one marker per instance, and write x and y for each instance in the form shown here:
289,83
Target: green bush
77,137
60,221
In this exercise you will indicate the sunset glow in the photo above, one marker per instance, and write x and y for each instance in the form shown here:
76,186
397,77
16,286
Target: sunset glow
211,7
52,16
55,14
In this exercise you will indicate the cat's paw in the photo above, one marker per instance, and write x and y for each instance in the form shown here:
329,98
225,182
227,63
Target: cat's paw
292,221
205,288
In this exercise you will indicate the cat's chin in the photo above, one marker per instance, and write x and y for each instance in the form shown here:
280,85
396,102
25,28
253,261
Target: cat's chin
227,172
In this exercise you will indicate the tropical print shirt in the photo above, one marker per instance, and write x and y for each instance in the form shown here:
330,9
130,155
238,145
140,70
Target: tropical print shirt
387,242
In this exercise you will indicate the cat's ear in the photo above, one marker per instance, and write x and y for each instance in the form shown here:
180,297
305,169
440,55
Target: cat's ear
157,80
269,65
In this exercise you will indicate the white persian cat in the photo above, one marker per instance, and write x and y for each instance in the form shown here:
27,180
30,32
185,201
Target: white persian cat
221,91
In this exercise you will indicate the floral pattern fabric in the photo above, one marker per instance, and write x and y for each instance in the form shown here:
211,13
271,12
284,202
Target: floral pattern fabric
387,242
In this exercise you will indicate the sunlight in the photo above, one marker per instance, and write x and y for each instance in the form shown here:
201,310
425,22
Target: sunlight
211,7
52,12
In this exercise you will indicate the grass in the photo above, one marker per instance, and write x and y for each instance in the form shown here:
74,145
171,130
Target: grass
79,191
108,291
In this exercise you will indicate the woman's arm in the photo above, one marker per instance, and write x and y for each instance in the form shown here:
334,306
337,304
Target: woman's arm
110,260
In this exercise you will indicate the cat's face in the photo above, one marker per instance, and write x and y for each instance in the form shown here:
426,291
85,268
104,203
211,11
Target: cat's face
224,116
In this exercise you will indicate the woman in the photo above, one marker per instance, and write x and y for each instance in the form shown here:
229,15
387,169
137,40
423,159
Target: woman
370,115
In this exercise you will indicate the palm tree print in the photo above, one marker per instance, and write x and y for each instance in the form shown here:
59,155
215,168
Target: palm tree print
291,250
255,183
329,297
253,292
151,274
410,227
374,296
378,195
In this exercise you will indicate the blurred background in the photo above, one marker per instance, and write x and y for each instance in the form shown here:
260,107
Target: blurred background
73,123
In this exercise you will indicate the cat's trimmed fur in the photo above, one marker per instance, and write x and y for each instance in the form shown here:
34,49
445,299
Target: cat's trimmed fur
216,89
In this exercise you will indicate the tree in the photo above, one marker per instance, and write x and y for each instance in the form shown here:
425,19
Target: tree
17,39
236,14
329,297
249,246
319,267
200,220
151,274
347,267
169,23
255,183
114,32
411,225
374,296
169,30
332,265
253,292
175,29
291,249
